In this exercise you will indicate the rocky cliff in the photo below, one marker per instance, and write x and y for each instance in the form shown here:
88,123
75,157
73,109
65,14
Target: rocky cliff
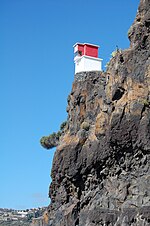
100,173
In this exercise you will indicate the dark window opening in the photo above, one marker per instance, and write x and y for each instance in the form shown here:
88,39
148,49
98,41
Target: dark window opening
78,53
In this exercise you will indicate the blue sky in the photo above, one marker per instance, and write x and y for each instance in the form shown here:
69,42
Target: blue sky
36,73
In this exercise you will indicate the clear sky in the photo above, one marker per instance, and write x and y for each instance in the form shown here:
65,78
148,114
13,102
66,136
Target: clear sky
36,75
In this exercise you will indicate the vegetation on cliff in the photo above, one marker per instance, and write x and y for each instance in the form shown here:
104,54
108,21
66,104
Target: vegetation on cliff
52,140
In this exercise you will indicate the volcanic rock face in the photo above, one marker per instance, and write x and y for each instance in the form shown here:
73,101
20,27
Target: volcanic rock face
100,173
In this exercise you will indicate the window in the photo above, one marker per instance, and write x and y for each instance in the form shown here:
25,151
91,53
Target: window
78,53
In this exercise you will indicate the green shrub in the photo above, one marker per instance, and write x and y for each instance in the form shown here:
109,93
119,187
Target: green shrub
85,126
50,141
146,103
63,125
59,133
113,54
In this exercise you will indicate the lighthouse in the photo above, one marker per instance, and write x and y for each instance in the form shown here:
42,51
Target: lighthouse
86,57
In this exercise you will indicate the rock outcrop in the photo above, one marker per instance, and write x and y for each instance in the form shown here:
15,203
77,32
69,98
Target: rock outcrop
100,173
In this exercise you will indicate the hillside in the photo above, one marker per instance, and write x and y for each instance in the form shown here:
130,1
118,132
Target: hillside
10,217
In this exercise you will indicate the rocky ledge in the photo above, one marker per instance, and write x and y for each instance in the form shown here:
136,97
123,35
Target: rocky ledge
100,173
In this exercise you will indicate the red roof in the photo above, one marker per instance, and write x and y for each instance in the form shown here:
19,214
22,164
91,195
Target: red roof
86,49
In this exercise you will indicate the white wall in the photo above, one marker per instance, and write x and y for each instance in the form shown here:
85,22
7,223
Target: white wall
86,63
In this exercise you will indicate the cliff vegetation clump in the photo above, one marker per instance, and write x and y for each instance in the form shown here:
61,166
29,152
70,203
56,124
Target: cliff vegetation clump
53,139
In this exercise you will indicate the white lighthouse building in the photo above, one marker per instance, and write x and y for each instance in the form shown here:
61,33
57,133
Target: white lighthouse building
86,57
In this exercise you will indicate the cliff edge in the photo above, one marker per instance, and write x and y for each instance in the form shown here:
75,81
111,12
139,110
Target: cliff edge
100,173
